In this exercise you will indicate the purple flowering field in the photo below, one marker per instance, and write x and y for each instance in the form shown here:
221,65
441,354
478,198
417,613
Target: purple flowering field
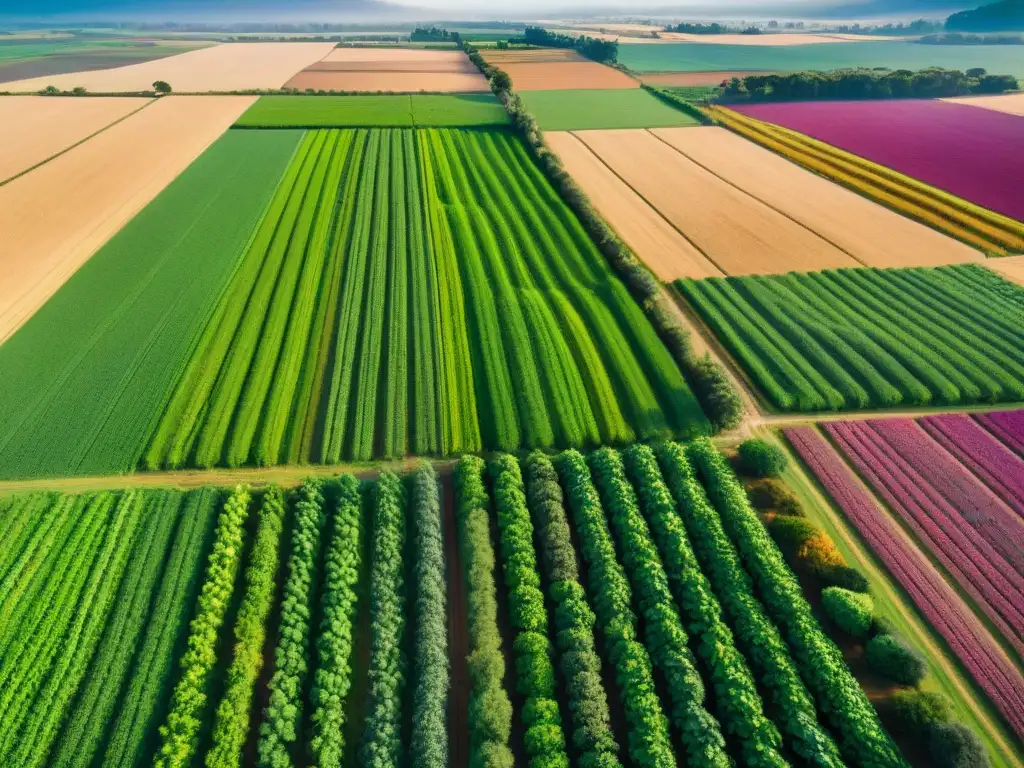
936,600
977,154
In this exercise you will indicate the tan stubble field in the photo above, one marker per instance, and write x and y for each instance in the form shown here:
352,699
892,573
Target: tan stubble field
35,128
652,238
226,67
871,233
1010,103
55,217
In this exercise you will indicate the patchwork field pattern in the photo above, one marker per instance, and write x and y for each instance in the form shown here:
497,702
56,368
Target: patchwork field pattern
387,111
87,377
977,154
989,232
860,338
530,342
226,67
391,69
581,110
55,218
955,486
34,128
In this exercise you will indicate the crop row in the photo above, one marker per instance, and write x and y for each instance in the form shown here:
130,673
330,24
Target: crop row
945,507
860,338
941,606
991,232
92,612
451,251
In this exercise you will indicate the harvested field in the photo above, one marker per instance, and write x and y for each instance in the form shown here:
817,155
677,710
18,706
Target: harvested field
385,111
769,40
35,128
977,154
531,56
53,219
652,238
871,234
567,76
584,110
1010,103
392,55
739,234
228,67
90,59
1011,267
393,82
460,65
695,78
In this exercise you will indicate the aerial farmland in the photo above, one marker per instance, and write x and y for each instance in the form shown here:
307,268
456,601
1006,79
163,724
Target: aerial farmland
593,392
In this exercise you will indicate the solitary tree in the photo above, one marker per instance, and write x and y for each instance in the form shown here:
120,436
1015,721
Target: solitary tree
161,86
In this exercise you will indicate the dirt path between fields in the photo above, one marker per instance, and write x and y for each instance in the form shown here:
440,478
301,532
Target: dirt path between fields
458,634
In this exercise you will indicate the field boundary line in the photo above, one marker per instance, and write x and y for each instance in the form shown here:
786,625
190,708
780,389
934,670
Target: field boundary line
80,142
752,196
933,644
650,205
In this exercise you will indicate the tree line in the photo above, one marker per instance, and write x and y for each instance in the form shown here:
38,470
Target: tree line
928,83
604,51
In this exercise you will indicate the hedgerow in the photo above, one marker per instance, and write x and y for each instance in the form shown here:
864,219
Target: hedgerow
282,720
611,596
231,726
429,740
851,611
793,707
382,731
574,620
737,701
334,643
490,711
863,740
179,736
544,739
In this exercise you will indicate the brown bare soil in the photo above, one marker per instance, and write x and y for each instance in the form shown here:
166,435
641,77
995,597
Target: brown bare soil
463,65
567,76
458,634
695,78
55,217
1011,267
739,234
418,55
870,233
651,237
531,55
396,82
227,67
1010,103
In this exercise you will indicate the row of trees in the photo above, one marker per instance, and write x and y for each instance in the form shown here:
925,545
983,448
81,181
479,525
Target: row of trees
931,83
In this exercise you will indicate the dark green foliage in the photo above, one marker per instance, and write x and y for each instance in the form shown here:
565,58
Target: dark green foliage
231,727
429,741
890,657
738,703
333,678
382,732
989,17
851,611
844,576
790,533
773,494
605,51
282,721
759,458
917,712
862,738
490,711
954,745
574,620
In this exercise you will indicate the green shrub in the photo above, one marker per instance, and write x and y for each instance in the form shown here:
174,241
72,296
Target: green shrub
761,459
915,712
890,657
851,611
773,494
846,577
954,745
790,533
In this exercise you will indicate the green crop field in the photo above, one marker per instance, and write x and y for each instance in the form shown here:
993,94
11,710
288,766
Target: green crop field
705,57
388,111
602,109
859,338
86,378
425,292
